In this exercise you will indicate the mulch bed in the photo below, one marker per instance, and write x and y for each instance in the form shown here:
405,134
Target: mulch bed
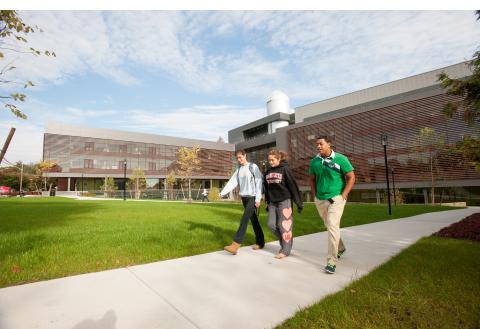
468,228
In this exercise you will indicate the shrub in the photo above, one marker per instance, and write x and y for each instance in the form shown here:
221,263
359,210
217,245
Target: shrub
214,194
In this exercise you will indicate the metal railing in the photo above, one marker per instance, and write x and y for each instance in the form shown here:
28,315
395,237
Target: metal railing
170,194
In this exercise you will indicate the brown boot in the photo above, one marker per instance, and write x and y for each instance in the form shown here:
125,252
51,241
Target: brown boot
256,247
233,248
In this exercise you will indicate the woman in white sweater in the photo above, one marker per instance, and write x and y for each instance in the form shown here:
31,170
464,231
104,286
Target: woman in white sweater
250,179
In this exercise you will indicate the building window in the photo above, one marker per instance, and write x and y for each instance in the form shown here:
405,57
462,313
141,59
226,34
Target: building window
151,151
89,146
256,132
123,148
152,166
88,163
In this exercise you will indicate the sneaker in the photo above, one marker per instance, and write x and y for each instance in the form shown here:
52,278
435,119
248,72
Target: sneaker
340,253
330,268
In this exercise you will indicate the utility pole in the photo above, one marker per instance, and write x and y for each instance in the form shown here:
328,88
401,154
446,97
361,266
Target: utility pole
21,180
125,180
7,143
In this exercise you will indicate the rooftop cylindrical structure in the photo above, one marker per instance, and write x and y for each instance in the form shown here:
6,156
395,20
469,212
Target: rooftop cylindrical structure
278,102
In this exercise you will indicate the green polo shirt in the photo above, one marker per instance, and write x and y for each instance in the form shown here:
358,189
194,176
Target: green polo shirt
330,173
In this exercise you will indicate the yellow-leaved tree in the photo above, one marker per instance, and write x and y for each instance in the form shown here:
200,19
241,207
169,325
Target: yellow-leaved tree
188,162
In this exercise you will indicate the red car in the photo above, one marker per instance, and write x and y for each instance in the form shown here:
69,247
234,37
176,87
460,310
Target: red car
5,190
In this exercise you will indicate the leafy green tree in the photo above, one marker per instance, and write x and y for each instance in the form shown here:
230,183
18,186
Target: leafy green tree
137,182
13,33
468,91
428,142
170,183
109,186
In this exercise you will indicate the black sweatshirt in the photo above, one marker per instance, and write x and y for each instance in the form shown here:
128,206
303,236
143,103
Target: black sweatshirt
280,185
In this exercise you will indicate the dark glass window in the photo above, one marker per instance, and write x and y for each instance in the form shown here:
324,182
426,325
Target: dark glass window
255,132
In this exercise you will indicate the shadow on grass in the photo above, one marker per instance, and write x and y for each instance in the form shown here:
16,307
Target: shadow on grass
29,242
29,215
224,235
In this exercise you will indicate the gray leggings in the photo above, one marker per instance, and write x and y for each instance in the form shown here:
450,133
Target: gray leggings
280,222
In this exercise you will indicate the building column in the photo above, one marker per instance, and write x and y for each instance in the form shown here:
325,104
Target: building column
377,192
68,184
425,195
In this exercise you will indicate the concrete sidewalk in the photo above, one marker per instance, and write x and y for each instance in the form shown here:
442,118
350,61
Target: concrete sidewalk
215,290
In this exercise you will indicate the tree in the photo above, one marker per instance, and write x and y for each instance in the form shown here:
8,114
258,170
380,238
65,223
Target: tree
170,182
188,162
469,92
13,32
220,140
109,186
431,144
137,182
47,166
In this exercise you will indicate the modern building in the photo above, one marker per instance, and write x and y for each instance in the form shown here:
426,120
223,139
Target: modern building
258,137
356,122
86,156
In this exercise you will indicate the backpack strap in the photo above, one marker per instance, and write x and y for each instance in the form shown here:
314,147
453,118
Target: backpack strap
250,167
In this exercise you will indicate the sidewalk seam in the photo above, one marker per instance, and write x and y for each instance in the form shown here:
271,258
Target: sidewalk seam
163,298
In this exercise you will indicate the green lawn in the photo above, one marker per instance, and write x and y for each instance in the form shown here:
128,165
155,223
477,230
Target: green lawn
55,237
433,284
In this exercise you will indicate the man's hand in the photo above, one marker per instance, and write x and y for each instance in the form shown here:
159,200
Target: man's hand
344,196
257,204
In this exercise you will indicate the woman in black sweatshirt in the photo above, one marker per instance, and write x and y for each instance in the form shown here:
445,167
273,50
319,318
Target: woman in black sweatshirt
280,189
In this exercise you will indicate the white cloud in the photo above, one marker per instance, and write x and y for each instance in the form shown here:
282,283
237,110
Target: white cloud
309,54
200,122
78,113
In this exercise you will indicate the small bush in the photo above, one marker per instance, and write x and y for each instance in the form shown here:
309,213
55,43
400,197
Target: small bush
88,194
214,194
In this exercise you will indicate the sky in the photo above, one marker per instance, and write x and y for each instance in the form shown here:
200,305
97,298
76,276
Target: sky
198,74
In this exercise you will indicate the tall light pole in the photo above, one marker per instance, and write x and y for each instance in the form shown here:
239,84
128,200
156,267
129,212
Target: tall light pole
21,180
393,181
124,179
384,143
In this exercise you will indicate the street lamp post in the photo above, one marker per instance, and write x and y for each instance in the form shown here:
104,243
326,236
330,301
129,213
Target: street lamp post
393,181
124,179
384,143
21,180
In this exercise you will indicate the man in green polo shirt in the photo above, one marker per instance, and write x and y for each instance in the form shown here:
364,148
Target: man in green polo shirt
332,179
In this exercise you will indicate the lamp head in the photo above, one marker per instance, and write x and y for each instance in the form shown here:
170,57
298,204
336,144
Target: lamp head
384,139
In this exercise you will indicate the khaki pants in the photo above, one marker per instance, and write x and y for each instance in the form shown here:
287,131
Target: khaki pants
331,213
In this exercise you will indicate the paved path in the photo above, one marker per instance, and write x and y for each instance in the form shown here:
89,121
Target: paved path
215,290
